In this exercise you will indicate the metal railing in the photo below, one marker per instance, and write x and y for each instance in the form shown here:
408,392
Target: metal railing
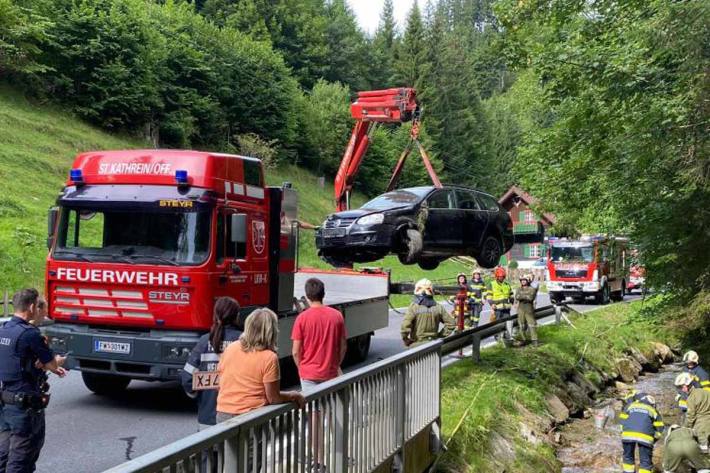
383,417
359,422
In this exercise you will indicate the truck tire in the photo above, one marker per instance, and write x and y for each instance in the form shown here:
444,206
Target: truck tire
602,297
104,384
618,296
556,297
490,253
411,246
358,348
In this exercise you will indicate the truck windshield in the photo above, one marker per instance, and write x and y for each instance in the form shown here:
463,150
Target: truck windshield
163,237
560,254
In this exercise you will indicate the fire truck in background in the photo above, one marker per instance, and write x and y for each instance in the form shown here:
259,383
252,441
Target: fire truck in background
142,242
637,272
593,266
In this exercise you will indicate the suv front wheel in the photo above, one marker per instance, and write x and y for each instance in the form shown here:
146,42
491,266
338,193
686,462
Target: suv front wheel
490,253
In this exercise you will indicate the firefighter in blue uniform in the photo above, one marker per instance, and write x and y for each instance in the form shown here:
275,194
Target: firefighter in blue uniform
24,357
700,376
641,426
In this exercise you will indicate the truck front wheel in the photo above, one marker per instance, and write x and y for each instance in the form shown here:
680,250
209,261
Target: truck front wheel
602,297
104,384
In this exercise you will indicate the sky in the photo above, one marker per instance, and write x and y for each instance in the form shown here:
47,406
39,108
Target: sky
368,12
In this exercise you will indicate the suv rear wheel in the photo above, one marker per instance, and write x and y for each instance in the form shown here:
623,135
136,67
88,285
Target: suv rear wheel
490,253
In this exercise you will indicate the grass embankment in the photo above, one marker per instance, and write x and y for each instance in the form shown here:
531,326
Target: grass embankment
37,146
482,401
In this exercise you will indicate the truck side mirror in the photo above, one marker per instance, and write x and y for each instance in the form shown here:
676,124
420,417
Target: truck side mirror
239,228
52,217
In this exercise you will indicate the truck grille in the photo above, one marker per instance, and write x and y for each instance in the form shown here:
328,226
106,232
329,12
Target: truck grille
99,303
571,273
339,222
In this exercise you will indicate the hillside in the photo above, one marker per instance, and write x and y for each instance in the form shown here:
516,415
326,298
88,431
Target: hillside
37,145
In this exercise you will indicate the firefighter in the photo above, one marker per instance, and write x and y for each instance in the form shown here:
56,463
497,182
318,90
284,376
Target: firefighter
525,299
681,452
696,371
697,416
641,426
476,290
423,317
499,295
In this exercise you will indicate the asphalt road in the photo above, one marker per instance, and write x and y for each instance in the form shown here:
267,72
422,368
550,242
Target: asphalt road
87,433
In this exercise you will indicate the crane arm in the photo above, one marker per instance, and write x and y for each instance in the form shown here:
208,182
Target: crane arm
397,105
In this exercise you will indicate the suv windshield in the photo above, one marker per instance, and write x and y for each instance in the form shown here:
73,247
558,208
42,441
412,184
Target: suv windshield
561,254
392,199
136,235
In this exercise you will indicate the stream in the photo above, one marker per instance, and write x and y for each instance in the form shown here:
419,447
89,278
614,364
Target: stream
586,449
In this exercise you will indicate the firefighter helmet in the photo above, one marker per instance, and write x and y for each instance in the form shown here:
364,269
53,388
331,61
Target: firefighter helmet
499,272
691,357
458,276
683,379
647,399
475,272
423,286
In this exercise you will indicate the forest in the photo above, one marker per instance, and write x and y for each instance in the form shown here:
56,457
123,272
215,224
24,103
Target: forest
597,107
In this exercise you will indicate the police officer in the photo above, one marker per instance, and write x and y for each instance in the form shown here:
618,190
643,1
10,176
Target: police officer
24,357
525,298
424,314
476,291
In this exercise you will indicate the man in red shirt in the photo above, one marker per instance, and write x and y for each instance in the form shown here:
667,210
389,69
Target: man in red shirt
319,345
319,339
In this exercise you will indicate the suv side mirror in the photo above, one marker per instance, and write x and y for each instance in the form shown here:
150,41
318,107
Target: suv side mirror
239,228
52,217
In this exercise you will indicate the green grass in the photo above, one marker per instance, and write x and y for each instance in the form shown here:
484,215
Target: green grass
493,390
37,146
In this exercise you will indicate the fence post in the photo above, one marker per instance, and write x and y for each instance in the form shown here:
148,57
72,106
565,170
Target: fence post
236,451
476,348
401,418
342,421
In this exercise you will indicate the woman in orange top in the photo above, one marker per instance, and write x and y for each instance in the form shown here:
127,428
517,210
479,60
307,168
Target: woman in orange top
249,375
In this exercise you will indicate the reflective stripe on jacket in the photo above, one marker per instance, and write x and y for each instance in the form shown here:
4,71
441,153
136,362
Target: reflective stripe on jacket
700,376
500,294
641,423
476,291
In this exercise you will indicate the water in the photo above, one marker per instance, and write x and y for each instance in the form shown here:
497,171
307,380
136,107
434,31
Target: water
586,449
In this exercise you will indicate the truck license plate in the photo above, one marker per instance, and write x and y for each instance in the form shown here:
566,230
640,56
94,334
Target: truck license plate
105,346
204,380
333,232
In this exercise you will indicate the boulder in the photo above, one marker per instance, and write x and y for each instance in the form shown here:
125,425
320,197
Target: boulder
502,449
579,397
628,369
663,352
556,408
589,388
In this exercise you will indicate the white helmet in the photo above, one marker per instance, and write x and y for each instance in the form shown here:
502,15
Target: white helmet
423,286
691,357
683,379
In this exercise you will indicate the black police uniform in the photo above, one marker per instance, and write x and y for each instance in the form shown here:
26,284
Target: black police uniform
23,395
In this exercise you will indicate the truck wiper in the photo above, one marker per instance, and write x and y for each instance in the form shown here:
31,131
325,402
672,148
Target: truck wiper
154,257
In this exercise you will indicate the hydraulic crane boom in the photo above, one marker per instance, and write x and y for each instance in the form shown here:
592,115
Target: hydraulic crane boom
378,106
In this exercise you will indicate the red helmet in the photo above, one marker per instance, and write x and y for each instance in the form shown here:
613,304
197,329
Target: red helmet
499,272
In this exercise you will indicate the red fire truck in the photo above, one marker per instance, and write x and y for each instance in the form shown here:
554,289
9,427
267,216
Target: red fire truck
143,241
592,266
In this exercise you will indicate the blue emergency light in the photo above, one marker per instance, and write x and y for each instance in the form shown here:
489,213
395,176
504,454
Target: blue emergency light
181,176
75,176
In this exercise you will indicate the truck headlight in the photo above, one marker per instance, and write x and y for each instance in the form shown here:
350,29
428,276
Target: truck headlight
372,219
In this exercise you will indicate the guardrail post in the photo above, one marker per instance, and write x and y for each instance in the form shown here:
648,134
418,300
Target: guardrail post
558,314
401,418
509,329
476,348
342,421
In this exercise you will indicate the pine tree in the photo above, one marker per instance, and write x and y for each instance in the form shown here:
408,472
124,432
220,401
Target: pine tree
348,59
383,47
410,62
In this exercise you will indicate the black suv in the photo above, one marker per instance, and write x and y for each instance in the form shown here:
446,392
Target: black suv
423,225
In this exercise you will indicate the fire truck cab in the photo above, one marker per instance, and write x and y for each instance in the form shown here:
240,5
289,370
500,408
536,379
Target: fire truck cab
591,266
142,242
